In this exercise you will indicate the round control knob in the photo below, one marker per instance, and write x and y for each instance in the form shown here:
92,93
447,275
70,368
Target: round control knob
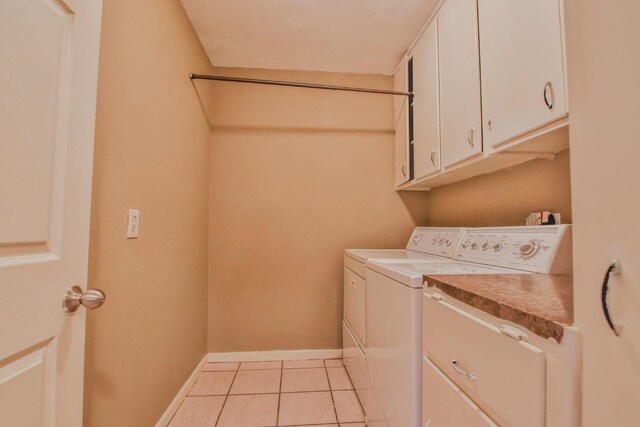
435,240
529,249
497,247
417,238
465,244
448,242
485,246
440,242
474,245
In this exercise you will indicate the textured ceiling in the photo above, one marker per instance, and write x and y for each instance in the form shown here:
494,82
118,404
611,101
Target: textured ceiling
360,36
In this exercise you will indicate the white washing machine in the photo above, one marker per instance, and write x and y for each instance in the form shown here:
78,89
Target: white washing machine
427,244
394,308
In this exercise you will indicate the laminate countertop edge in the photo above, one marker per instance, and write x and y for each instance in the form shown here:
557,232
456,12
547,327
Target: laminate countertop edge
541,303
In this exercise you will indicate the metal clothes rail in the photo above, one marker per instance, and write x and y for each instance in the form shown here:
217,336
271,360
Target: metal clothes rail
297,84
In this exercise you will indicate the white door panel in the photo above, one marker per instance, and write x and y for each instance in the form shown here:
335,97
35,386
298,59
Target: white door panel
47,113
36,116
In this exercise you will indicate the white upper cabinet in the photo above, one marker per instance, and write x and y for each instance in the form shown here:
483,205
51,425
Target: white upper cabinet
426,117
523,76
489,79
460,117
400,106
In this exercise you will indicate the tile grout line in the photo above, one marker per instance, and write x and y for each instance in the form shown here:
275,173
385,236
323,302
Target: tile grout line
185,397
333,402
235,374
179,406
321,424
353,389
357,397
279,394
268,392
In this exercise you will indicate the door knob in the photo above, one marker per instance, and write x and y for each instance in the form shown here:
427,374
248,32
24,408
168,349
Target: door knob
74,298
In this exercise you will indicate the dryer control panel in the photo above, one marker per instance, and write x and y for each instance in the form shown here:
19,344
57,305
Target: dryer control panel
435,240
537,249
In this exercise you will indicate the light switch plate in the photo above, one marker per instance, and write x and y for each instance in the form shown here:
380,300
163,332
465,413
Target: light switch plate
133,224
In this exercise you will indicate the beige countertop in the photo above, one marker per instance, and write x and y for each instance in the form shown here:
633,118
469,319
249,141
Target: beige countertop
542,303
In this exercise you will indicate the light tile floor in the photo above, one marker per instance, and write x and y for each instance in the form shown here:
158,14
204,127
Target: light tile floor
268,394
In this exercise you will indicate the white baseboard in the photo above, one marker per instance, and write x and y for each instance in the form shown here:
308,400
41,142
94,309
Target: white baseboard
267,356
175,403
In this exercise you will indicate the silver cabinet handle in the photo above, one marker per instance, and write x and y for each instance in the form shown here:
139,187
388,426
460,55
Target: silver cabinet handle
74,298
548,89
470,137
404,169
614,268
454,365
433,158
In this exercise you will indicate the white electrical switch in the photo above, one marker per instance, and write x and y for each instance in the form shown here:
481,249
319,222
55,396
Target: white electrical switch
133,225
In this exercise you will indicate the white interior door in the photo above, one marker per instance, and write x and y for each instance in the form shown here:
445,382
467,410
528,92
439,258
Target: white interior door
48,78
603,75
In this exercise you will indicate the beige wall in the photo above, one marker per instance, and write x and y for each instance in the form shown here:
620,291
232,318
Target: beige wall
151,153
297,176
504,197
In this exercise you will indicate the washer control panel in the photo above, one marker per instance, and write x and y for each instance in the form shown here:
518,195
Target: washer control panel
533,249
435,240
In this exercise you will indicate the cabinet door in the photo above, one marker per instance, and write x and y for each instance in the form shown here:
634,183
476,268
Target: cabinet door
523,84
426,142
501,370
444,404
400,106
460,119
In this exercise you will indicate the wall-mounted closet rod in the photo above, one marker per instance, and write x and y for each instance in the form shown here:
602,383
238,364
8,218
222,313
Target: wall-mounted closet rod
296,84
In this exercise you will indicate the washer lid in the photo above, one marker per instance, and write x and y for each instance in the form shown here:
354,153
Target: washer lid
362,255
411,274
